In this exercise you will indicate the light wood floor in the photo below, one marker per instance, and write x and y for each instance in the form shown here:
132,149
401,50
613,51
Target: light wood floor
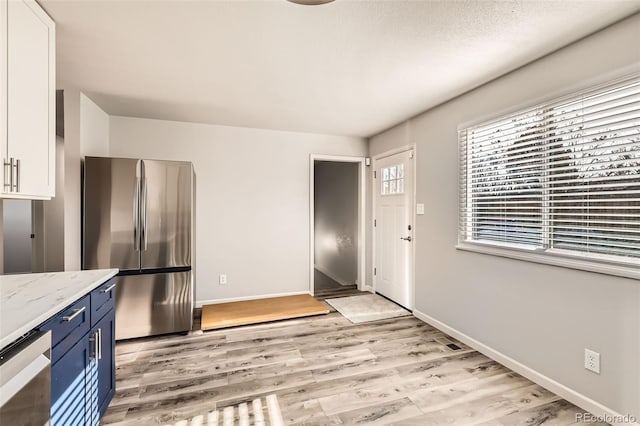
327,371
233,314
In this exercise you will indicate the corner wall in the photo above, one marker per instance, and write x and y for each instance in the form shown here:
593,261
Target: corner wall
94,129
54,217
252,197
72,180
541,316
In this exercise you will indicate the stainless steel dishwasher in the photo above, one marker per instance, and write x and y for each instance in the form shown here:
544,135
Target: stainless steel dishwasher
25,382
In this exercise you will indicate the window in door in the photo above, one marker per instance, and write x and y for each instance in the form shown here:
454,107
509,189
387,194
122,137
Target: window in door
393,180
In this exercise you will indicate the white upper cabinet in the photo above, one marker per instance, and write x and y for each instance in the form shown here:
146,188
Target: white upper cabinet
27,120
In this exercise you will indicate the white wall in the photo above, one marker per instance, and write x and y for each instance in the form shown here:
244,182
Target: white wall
54,218
539,315
252,198
72,179
94,129
336,220
86,132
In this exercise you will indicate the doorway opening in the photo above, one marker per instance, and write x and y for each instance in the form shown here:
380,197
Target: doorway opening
31,237
17,237
337,224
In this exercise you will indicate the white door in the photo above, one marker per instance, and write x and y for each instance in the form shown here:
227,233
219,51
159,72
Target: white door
393,186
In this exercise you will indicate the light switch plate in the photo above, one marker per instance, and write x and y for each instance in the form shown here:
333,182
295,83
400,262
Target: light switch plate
419,208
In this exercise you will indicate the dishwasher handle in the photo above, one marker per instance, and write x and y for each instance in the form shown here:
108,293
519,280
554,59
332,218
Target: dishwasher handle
26,362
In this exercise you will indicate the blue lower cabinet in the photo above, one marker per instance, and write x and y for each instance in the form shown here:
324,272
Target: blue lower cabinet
69,397
106,361
83,378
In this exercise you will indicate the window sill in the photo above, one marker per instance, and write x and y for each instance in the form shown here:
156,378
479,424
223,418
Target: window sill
619,270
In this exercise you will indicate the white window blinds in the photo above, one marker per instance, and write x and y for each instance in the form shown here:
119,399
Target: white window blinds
563,177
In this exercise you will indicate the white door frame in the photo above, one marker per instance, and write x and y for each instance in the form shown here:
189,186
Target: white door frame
362,180
412,203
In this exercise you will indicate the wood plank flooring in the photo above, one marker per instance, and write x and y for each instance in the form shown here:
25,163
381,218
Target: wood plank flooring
224,315
327,371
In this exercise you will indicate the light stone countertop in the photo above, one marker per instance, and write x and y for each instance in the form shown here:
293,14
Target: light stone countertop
28,300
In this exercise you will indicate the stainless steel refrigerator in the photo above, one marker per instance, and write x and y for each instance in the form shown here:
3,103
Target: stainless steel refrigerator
138,217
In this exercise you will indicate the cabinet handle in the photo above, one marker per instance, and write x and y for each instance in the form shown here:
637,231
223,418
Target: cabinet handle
10,178
108,289
75,313
17,175
99,343
94,338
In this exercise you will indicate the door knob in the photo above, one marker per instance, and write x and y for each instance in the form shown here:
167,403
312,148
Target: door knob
407,238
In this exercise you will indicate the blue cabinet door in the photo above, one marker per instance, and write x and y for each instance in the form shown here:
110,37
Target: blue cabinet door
106,386
69,398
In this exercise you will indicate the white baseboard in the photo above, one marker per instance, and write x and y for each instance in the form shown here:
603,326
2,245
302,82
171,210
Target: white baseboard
559,389
199,303
333,277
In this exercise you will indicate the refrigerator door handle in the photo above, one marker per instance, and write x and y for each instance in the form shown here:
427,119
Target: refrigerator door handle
136,216
144,214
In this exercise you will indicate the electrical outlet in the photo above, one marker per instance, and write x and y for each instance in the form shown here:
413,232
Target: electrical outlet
592,361
223,279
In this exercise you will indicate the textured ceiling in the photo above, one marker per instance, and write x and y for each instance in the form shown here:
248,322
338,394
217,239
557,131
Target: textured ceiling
347,67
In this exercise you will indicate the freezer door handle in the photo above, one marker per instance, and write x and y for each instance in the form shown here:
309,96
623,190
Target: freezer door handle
136,216
144,214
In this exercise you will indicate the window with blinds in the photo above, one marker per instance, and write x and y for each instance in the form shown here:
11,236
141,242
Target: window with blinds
561,178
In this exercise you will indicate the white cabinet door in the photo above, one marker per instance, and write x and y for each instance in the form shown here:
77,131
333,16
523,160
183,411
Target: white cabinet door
30,103
4,189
